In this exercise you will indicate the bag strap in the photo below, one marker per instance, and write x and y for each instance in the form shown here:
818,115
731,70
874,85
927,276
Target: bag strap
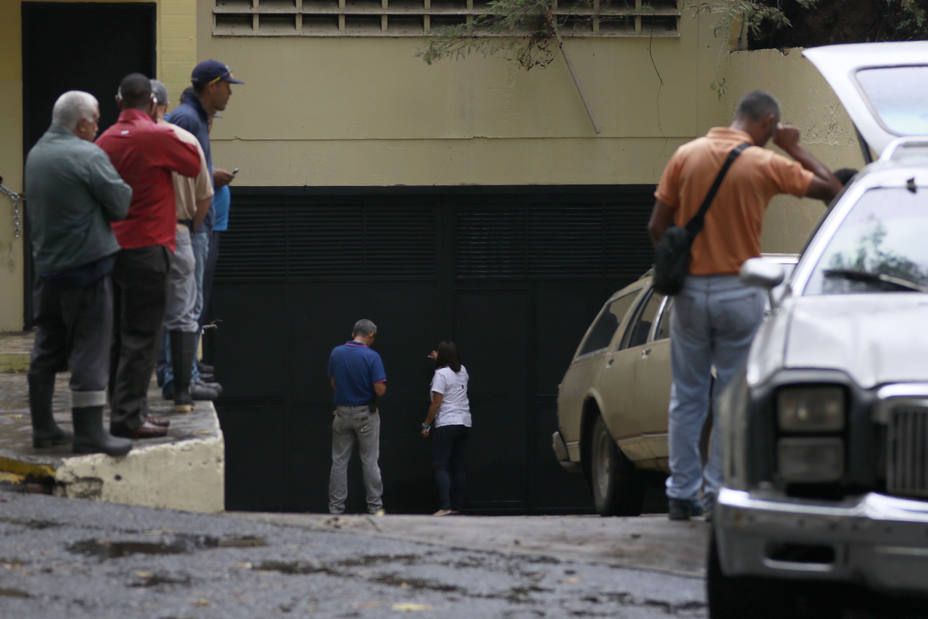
694,225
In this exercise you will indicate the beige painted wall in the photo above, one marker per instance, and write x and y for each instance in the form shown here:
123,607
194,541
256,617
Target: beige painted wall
11,165
351,111
176,55
368,112
354,111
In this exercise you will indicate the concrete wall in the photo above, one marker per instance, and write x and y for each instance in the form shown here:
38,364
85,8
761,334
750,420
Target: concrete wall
356,111
350,111
366,112
11,164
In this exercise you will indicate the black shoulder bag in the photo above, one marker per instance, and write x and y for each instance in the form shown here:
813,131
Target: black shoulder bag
672,253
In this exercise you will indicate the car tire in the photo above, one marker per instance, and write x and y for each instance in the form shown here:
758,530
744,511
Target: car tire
618,487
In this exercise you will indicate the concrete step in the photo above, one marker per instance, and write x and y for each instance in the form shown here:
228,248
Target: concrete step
183,470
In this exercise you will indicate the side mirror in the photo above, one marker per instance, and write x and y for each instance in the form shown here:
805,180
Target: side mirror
762,274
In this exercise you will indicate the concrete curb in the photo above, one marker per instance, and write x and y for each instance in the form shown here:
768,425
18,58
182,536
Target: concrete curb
184,470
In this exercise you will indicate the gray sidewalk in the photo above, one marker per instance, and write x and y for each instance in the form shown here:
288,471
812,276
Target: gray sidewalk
184,470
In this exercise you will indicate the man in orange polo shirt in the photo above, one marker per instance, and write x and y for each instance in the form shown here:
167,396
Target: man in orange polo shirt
715,317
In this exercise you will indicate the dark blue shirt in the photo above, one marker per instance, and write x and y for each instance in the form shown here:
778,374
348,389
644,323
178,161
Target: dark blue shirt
191,115
355,368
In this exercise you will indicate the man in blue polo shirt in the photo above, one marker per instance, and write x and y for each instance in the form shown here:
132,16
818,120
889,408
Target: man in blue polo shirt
358,379
209,93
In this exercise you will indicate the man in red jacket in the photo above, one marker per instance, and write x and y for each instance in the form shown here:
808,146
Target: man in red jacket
144,154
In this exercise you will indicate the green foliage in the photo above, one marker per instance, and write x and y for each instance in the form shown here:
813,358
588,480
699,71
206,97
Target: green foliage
805,23
522,30
870,256
911,18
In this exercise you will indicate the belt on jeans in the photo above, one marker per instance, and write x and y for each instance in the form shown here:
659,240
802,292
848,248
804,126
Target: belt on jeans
186,222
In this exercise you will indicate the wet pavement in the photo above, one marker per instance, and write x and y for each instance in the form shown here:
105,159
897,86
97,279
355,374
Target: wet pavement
68,557
77,558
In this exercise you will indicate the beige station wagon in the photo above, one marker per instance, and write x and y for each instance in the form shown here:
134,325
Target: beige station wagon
612,401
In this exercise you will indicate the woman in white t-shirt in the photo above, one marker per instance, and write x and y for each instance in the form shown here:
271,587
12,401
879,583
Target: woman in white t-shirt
448,423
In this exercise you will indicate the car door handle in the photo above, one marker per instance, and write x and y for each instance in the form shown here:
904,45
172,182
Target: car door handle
610,362
645,353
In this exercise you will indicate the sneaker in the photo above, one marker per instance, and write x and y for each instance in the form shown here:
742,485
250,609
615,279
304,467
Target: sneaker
443,512
378,512
683,509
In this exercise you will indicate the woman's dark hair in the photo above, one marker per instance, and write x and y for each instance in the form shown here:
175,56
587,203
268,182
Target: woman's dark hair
448,357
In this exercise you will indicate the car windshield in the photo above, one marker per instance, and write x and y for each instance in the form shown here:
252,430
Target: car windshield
881,246
898,95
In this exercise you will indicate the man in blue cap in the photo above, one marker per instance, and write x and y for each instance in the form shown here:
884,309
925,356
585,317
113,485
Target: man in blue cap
209,94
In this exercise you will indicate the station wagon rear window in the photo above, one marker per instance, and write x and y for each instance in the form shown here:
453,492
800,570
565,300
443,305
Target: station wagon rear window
609,320
898,95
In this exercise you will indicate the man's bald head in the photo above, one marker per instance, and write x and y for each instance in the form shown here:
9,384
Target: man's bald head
758,105
135,92
758,115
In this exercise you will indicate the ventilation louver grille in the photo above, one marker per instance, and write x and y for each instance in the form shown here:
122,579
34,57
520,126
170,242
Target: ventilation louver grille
345,242
907,458
544,242
396,235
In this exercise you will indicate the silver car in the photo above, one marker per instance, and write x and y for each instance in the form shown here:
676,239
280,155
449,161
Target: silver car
826,431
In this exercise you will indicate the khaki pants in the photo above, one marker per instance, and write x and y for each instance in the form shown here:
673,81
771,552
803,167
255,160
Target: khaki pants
355,423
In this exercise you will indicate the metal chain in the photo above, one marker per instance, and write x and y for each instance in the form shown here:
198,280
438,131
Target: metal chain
17,213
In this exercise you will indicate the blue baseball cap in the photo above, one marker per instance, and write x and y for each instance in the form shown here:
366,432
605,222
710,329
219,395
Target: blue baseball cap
210,71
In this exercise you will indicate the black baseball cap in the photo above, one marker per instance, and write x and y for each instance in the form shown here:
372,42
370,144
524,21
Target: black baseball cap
210,71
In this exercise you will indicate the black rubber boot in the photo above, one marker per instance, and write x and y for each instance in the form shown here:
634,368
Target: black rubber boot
182,352
90,437
45,432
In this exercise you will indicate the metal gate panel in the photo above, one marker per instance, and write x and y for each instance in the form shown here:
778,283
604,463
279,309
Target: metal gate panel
514,274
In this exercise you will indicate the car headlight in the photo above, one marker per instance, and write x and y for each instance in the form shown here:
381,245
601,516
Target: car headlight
810,409
811,460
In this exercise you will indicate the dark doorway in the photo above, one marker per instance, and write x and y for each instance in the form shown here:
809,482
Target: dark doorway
78,46
513,274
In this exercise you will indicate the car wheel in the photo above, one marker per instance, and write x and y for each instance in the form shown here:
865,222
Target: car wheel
618,489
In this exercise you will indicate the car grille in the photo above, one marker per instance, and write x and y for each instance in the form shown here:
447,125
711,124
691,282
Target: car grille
907,451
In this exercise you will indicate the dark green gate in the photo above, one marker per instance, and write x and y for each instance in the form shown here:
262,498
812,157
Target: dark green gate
512,274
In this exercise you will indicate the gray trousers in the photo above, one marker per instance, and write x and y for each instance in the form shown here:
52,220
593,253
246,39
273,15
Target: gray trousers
73,331
179,313
355,423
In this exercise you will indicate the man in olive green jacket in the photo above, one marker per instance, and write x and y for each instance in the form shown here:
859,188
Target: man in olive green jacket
74,193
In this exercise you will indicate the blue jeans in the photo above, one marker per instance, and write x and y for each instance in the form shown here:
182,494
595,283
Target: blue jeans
449,462
200,240
712,323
